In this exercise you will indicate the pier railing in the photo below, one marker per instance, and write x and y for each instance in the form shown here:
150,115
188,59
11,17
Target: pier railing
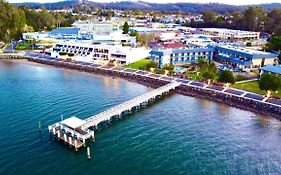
128,105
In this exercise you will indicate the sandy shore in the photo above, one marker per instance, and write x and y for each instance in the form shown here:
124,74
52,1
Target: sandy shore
25,61
22,61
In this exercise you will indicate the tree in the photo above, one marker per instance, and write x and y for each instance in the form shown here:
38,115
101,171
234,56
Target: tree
207,69
133,33
12,20
269,82
248,44
145,38
178,21
208,76
149,65
27,28
169,67
226,76
209,16
126,28
201,63
253,18
274,43
273,21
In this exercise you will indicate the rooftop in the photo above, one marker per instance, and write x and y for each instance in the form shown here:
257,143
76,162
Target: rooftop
65,31
251,52
73,122
273,69
225,30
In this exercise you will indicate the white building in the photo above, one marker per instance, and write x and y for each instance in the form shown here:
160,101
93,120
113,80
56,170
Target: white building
98,53
229,34
115,38
36,36
199,41
96,27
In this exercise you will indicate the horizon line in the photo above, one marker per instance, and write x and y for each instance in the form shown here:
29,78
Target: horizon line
116,1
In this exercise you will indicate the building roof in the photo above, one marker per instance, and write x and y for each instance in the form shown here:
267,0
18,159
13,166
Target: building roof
246,52
234,59
65,31
162,52
173,45
73,122
272,69
225,30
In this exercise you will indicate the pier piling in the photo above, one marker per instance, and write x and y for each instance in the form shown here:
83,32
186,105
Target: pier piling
39,127
88,153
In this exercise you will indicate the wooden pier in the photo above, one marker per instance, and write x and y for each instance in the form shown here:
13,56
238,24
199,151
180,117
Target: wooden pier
75,131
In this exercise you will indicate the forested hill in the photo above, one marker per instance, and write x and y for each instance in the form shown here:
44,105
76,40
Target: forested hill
140,5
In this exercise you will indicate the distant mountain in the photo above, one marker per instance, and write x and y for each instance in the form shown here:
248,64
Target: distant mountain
186,7
140,5
54,5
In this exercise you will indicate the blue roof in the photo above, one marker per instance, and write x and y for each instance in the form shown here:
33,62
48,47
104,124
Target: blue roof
65,31
272,69
193,50
156,52
188,50
234,60
245,52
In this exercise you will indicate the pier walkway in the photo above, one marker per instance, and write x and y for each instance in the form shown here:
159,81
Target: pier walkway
75,131
128,105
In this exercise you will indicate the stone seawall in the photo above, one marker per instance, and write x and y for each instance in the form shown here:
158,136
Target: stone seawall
231,100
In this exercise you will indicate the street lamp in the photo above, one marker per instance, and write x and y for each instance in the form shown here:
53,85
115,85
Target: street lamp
152,69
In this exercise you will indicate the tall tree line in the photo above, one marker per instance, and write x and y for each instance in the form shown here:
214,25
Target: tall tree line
253,19
15,20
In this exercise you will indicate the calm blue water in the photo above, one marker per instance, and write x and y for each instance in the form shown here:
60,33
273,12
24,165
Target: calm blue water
178,135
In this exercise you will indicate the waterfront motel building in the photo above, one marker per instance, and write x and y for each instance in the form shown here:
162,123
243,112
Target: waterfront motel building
180,56
243,58
235,56
99,53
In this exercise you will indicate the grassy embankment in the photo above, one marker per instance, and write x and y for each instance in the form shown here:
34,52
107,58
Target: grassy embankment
138,64
144,64
23,46
253,86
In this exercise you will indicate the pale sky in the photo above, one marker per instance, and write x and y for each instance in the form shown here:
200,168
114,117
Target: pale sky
233,2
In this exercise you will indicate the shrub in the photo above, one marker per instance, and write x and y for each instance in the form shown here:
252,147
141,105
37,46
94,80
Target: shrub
269,82
226,76
70,54
62,53
248,44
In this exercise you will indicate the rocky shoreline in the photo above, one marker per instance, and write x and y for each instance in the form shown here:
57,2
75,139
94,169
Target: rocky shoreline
231,100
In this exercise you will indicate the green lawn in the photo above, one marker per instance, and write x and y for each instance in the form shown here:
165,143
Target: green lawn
253,86
194,75
138,64
23,46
